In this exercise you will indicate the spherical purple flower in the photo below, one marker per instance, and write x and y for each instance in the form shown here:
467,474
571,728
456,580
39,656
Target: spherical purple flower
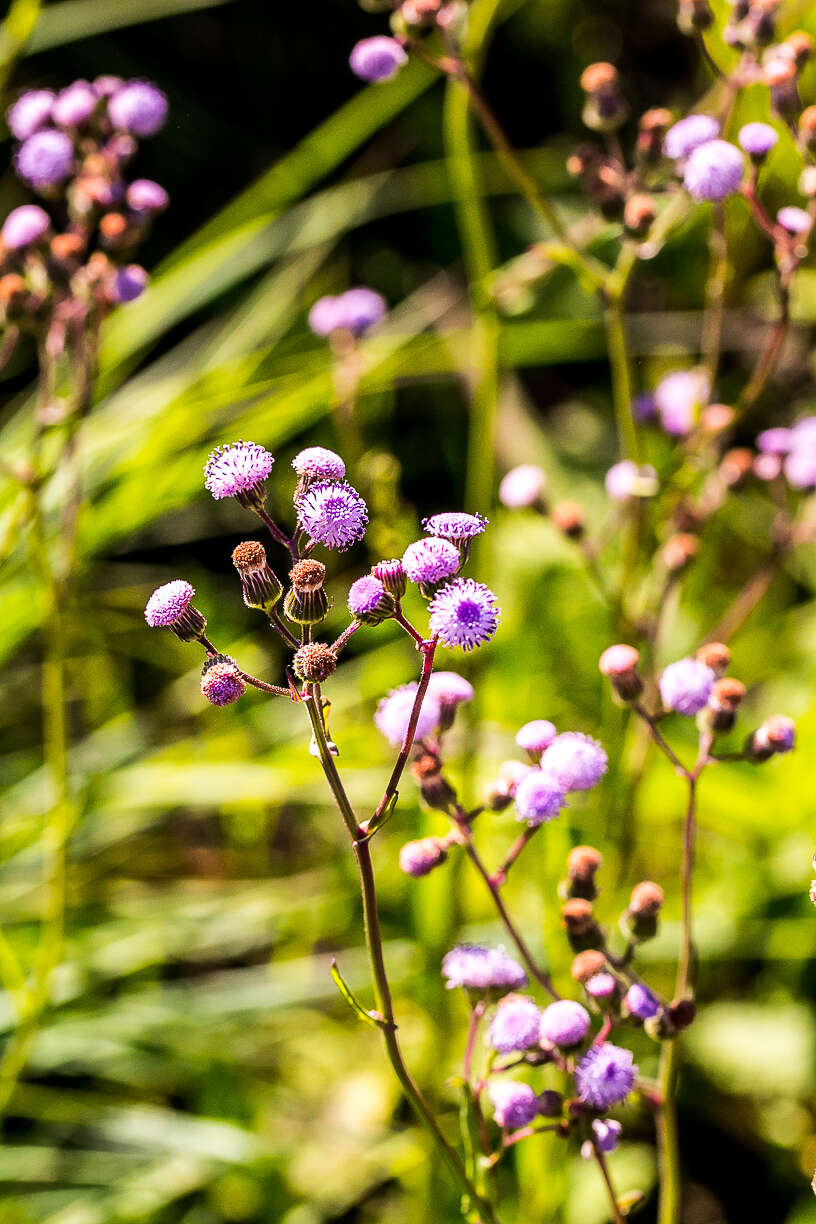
449,688
45,159
685,686
431,560
535,736
514,1104
515,1024
418,858
775,441
394,713
326,315
146,196
607,1133
794,220
333,514
625,480
130,283
539,798
168,603
713,171
575,761
475,967
601,986
222,683
800,467
139,107
377,59
319,463
24,226
640,1002
464,614
605,1075
679,397
455,526
236,469
757,138
564,1023
684,137
804,431
30,112
522,486
74,105
369,601
360,309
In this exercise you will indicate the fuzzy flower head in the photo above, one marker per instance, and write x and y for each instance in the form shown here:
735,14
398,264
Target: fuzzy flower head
713,171
522,486
539,798
455,526
368,600
685,686
377,59
800,467
221,681
333,514
418,858
475,967
514,1104
687,135
775,441
464,613
74,105
757,139
640,1002
45,159
361,308
139,108
680,397
606,1133
430,561
795,220
534,737
129,283
450,688
605,1075
626,480
318,463
237,470
564,1023
147,196
515,1024
30,112
24,226
168,603
394,713
575,761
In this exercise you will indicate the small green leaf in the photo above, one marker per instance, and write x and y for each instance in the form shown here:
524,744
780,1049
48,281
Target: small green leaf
354,1003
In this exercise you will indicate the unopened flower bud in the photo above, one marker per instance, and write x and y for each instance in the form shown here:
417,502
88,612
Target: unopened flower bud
638,214
504,788
716,418
681,1013
587,964
568,517
550,1103
715,655
736,466
604,109
619,663
582,864
807,126
777,734
721,712
418,858
693,16
392,575
315,662
644,907
653,126
679,551
369,602
436,791
579,922
259,583
306,603
779,73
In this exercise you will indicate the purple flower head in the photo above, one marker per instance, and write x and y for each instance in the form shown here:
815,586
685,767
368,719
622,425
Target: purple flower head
684,137
464,614
601,986
455,526
221,682
644,407
685,686
522,486
139,107
45,159
24,226
318,463
431,560
514,1104
130,283
800,467
640,1002
564,1023
361,309
794,220
30,112
236,469
757,138
74,105
680,397
777,734
535,736
767,467
713,171
394,713
804,431
333,514
475,967
325,316
605,1075
168,603
146,196
574,761
418,858
377,59
539,798
625,480
369,601
449,688
775,441
515,1024
607,1133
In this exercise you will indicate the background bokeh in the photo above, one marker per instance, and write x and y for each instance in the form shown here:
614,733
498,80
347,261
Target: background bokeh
197,1065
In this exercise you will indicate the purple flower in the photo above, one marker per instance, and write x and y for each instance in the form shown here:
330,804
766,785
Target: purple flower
318,463
130,283
24,226
394,713
515,1024
45,159
107,85
535,736
325,316
538,797
377,59
221,682
361,308
522,486
30,112
605,1075
777,734
679,398
417,858
601,986
333,514
455,526
640,1002
757,138
475,967
713,171
369,601
685,686
168,603
625,480
431,560
74,105
574,761
800,467
514,1104
794,220
684,137
775,441
139,107
804,431
237,470
464,614
564,1023
767,467
449,688
145,196
607,1133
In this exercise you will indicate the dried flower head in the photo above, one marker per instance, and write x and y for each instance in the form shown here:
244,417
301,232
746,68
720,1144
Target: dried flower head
646,899
587,964
583,862
307,575
315,662
715,655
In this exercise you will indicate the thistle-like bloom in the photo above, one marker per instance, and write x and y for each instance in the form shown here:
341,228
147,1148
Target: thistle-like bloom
394,713
326,315
130,283
450,688
564,1023
795,220
640,1002
605,1075
684,137
45,159
238,470
514,1104
430,561
475,967
221,681
685,686
575,761
534,737
368,600
626,480
377,59
713,171
334,515
170,607
680,397
775,441
147,196
30,112
464,614
757,139
522,486
418,858
606,1137
601,986
515,1024
539,798
361,309
318,463
800,467
139,107
74,105
456,526
24,226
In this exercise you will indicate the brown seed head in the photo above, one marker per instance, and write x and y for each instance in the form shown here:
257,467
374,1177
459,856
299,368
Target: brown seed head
315,662
801,45
249,555
578,916
583,862
67,246
646,899
112,226
307,575
12,289
587,964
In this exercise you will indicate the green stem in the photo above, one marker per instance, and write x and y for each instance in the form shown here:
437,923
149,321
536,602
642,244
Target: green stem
667,1144
715,294
621,377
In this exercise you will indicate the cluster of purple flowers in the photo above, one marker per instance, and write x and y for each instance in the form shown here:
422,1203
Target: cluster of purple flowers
789,452
562,763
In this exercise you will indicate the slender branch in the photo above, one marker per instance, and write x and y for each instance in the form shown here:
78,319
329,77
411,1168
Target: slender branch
473,1029
499,877
668,1151
313,704
613,1198
658,738
715,294
279,536
769,355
